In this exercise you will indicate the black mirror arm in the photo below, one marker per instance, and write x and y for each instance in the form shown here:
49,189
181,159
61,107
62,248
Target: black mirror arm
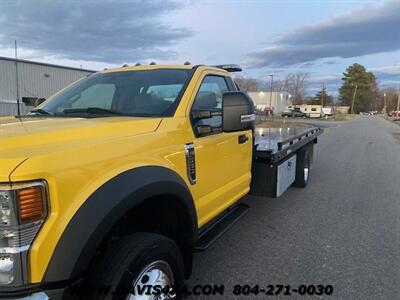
207,130
205,114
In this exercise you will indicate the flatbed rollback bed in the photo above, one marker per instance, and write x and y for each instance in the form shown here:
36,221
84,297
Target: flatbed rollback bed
282,157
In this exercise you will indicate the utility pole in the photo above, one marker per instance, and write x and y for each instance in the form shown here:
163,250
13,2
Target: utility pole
322,95
354,99
398,104
270,96
17,80
384,104
335,103
322,101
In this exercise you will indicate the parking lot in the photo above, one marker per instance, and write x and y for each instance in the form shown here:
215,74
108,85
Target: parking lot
343,230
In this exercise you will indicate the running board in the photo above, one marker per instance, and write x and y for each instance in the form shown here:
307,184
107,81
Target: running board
217,228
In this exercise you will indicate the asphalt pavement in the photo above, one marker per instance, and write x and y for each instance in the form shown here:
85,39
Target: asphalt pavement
342,230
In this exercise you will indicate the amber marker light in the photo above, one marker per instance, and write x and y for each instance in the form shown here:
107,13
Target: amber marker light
31,206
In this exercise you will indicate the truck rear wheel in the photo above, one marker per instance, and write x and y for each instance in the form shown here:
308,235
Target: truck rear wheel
136,262
303,165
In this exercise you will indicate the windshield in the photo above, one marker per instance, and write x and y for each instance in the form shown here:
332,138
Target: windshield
144,93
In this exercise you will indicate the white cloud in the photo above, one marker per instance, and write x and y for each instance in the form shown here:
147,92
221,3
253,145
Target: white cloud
107,31
370,30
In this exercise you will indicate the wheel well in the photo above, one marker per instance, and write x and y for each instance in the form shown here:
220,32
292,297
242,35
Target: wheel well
162,214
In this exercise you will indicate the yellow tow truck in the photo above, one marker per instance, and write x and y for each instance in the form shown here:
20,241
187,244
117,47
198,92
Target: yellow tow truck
118,178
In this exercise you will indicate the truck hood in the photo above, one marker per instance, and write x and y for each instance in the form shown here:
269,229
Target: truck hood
23,138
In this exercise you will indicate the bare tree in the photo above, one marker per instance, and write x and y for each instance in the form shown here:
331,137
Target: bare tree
248,84
388,95
277,86
296,84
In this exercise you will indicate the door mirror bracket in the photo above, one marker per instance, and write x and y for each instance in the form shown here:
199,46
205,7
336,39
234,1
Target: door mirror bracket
205,114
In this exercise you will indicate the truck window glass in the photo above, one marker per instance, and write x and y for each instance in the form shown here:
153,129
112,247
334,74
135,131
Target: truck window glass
209,97
168,92
142,93
98,95
231,84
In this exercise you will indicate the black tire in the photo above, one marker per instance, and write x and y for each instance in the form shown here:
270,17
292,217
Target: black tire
129,257
303,166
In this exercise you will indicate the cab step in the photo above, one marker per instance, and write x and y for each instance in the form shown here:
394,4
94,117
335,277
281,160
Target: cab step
217,228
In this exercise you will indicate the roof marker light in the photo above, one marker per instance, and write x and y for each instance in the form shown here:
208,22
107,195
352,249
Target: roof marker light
229,68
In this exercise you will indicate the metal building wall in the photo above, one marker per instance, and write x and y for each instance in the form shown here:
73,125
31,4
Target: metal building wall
279,100
35,80
8,108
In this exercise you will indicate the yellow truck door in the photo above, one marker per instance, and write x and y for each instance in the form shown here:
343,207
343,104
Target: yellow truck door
223,160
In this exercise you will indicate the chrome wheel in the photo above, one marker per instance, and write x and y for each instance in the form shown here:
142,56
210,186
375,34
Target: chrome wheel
158,273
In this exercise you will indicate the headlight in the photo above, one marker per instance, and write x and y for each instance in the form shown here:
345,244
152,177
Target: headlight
23,208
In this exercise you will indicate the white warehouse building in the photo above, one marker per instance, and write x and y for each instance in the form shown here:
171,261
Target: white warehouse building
35,80
279,100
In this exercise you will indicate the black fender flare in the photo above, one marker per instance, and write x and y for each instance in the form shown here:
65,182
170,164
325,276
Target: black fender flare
100,212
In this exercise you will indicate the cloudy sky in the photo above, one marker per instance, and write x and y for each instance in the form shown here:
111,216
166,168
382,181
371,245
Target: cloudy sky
277,37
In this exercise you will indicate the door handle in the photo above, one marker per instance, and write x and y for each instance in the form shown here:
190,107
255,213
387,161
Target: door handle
242,139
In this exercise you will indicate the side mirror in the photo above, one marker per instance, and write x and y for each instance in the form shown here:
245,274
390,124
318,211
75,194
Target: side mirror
39,101
237,112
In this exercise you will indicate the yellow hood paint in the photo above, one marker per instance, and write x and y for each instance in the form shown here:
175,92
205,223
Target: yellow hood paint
38,136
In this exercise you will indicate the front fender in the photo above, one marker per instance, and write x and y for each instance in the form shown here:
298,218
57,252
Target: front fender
95,218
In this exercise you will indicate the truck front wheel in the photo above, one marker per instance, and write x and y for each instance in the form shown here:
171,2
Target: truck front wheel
140,266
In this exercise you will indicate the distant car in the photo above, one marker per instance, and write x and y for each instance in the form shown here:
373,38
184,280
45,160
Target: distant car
394,113
294,113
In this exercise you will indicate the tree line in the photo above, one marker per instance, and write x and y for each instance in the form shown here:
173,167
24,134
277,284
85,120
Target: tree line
359,90
295,84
